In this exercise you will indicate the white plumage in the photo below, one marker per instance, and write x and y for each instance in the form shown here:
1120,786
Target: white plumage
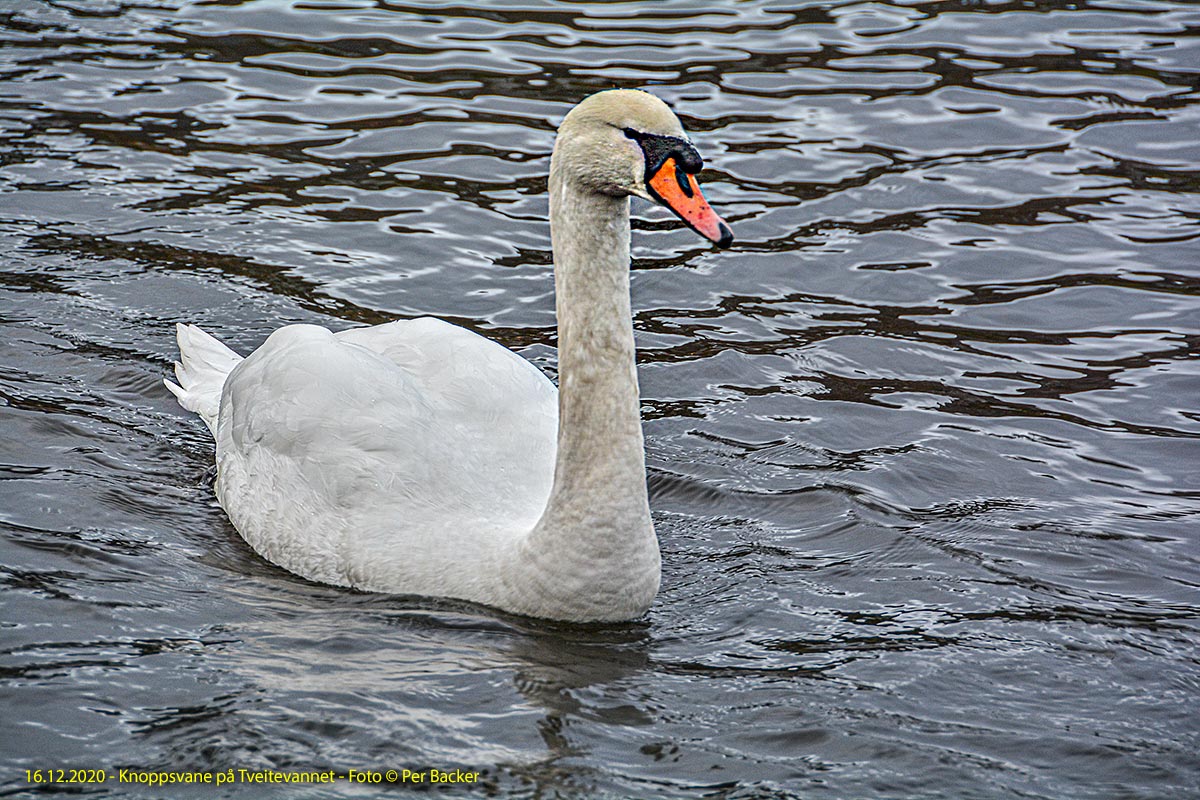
331,446
421,458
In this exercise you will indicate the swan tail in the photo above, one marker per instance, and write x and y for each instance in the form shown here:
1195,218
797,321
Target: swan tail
203,365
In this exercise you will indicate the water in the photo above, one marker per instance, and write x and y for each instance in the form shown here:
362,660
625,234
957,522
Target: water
923,445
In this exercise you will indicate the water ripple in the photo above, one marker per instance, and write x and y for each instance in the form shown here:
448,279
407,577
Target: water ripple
922,446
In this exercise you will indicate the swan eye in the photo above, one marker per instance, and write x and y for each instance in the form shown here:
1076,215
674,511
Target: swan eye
657,148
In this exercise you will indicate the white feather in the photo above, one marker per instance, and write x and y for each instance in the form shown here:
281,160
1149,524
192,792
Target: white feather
204,363
418,457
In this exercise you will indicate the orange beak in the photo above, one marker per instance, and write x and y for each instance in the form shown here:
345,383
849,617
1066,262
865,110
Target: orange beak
678,191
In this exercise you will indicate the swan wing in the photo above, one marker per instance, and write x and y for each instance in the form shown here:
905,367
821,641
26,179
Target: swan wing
377,456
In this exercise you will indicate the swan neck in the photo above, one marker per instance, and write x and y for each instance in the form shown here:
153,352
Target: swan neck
593,554
601,460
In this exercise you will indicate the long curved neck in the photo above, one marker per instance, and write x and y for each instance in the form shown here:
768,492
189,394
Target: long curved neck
595,543
600,452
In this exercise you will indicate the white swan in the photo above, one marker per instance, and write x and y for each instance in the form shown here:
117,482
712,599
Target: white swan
418,457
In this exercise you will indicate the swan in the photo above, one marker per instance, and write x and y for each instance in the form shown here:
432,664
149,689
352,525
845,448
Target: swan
417,457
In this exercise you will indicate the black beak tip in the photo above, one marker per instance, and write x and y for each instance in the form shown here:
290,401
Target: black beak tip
726,236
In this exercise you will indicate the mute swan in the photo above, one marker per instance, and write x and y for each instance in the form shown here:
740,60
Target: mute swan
418,457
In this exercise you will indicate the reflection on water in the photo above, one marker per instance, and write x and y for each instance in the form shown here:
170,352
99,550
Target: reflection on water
923,446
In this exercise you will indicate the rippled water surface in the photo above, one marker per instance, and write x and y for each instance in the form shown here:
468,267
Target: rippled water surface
923,446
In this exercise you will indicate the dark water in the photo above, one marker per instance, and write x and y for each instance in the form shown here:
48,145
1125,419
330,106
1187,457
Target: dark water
923,446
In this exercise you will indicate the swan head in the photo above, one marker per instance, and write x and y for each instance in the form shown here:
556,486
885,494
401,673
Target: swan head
625,142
